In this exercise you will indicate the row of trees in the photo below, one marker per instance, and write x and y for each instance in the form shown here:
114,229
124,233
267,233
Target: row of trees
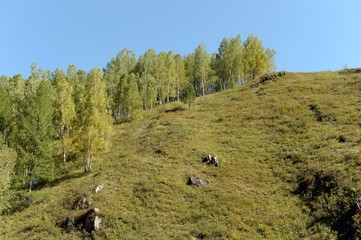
62,115
155,79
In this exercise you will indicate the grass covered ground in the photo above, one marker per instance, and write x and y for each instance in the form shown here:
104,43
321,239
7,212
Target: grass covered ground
290,161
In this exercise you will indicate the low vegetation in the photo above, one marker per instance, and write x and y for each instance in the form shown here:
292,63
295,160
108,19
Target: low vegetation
289,162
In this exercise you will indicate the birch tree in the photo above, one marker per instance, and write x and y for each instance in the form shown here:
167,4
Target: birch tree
95,128
146,69
201,69
255,59
64,110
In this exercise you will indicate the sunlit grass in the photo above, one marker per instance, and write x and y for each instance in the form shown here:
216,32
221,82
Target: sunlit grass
265,137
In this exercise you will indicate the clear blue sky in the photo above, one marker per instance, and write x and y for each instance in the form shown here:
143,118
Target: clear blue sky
308,35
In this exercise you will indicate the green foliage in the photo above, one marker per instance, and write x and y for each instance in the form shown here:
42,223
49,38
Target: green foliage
161,75
189,66
95,120
228,63
202,69
146,68
127,100
237,62
7,164
34,133
188,95
124,63
180,75
15,201
130,100
5,111
171,76
255,58
64,110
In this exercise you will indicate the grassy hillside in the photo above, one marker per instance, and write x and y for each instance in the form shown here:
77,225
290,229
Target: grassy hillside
290,162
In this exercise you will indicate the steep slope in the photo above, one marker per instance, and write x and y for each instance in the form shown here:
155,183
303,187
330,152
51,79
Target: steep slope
289,152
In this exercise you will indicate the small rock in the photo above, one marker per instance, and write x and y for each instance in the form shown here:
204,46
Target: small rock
97,222
197,181
98,188
96,210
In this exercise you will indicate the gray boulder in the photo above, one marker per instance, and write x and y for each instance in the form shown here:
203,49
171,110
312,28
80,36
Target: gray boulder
197,181
210,160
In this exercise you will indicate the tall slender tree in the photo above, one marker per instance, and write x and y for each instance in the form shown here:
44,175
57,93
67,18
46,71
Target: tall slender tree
131,99
189,67
146,69
228,62
124,63
201,69
161,77
95,128
180,75
33,138
64,110
171,76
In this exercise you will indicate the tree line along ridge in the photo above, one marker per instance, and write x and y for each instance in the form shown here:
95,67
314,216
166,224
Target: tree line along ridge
59,116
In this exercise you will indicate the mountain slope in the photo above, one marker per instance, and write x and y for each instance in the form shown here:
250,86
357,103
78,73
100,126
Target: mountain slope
289,152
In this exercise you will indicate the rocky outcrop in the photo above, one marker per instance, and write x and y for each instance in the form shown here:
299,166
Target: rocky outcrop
89,221
197,181
211,160
350,71
272,76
